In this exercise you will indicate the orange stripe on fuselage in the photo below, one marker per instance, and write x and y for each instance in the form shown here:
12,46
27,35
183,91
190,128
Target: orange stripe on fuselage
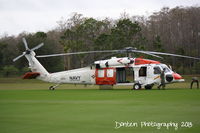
140,61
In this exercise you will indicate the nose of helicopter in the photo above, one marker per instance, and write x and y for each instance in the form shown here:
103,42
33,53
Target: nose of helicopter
177,77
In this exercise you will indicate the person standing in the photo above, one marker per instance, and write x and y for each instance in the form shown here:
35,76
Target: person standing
162,78
194,80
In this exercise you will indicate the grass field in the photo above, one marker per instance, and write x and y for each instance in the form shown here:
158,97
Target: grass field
29,107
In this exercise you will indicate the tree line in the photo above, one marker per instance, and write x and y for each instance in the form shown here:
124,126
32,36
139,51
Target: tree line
175,30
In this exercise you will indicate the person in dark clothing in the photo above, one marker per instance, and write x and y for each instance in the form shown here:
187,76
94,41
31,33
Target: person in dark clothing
162,77
194,80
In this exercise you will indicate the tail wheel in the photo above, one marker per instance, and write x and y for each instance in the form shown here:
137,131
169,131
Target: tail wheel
137,86
51,88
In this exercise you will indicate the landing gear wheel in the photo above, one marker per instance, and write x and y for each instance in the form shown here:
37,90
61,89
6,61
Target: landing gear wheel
137,86
148,87
51,88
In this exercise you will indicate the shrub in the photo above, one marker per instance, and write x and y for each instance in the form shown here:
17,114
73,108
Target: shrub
9,70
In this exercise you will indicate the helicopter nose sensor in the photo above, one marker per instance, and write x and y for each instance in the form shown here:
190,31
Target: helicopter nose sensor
169,77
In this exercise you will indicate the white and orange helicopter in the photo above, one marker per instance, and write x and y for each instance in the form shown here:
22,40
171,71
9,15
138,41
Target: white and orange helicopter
145,73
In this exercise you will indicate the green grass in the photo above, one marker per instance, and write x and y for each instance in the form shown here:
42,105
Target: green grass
29,107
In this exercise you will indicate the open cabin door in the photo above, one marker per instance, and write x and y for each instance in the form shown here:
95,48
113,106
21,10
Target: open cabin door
125,75
106,76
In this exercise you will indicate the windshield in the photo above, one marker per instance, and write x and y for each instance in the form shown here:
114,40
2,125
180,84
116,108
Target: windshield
166,68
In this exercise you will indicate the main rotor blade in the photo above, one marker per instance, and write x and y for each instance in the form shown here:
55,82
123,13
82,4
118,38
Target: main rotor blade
75,53
25,43
18,57
176,55
37,47
152,53
144,52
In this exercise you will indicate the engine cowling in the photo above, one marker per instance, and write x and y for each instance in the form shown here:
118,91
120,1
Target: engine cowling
114,62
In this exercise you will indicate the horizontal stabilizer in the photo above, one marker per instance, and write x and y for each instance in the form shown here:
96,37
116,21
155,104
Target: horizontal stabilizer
31,75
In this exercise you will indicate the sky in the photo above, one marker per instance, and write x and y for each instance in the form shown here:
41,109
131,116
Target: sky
17,16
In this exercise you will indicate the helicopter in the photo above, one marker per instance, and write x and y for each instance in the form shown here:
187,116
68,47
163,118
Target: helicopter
145,73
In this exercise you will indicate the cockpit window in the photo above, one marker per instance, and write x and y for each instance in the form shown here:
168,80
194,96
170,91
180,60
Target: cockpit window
166,68
157,70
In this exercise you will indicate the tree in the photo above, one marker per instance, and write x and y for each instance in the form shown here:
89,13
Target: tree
124,34
41,35
10,70
157,44
81,37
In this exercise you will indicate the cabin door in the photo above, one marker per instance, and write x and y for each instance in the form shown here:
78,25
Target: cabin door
106,76
142,74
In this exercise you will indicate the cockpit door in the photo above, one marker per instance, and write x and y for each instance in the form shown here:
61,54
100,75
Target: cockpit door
156,74
149,71
142,74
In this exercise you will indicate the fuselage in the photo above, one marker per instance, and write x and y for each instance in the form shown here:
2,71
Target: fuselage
114,72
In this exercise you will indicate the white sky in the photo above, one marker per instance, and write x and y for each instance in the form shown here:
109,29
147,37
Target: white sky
17,16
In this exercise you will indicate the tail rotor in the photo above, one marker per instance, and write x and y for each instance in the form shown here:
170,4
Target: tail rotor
28,51
25,43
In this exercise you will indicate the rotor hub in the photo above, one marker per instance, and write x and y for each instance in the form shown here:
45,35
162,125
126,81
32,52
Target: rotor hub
28,51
